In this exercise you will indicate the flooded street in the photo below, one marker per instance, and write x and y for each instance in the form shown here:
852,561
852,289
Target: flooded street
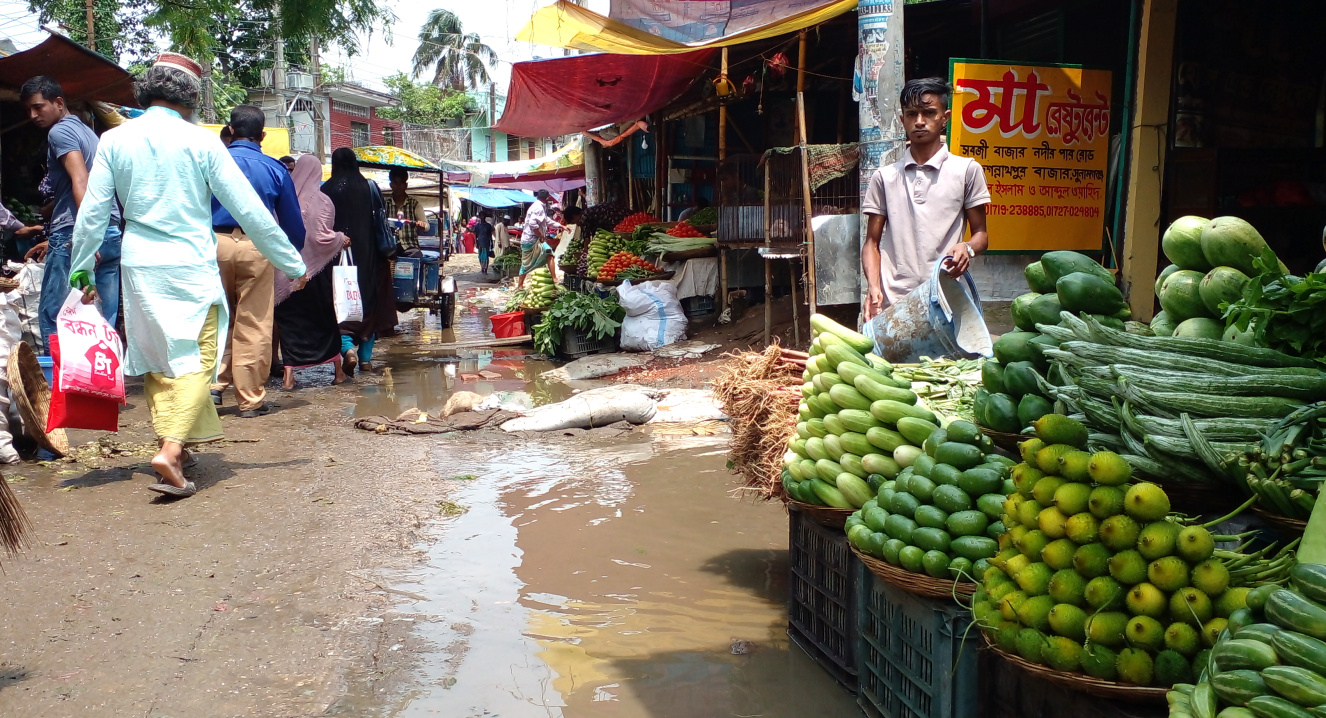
617,580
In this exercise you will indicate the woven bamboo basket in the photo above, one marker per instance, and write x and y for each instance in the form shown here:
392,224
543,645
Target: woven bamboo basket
8,284
1201,498
919,584
1082,683
823,515
32,395
1004,440
1288,528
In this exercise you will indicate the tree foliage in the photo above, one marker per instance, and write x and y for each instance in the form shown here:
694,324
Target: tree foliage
423,103
459,59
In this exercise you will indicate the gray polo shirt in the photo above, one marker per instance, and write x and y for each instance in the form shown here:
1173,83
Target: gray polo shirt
924,207
65,136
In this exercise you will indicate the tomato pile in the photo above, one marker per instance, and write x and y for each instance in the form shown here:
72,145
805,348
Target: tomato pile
684,229
622,261
631,222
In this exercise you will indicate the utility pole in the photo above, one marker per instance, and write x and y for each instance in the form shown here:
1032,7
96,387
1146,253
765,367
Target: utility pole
91,28
315,67
209,98
492,122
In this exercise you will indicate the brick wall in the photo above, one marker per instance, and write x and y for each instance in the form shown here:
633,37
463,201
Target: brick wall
343,117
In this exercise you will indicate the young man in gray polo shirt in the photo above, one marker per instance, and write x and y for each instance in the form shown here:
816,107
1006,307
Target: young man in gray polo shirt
919,208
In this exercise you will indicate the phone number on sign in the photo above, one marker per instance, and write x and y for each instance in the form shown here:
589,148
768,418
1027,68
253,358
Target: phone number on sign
1041,210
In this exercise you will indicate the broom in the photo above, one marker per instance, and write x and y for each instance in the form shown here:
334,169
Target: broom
15,528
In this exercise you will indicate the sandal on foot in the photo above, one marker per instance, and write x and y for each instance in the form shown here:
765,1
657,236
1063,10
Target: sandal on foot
174,491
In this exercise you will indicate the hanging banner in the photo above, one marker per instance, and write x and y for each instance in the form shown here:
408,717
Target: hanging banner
699,20
1042,133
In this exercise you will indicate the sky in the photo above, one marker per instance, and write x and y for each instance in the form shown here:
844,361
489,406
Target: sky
496,22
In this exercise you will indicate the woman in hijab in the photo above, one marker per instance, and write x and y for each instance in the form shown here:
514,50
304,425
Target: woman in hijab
355,199
307,318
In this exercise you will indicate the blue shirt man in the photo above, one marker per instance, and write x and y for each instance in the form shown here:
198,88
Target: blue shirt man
271,180
72,146
246,275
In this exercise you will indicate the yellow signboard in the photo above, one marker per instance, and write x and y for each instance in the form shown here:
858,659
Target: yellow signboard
1042,135
275,144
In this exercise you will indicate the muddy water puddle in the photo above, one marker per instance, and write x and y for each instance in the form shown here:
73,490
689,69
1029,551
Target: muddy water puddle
416,374
608,580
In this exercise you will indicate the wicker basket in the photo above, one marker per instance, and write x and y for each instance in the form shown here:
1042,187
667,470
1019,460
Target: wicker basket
30,392
915,583
824,515
1200,497
1082,683
1004,440
8,284
1288,528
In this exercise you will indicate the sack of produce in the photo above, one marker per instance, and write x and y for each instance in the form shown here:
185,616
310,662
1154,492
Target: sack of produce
654,317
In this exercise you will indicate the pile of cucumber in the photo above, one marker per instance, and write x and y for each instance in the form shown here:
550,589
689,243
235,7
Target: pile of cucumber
1094,575
1060,281
1180,409
858,426
1270,662
940,516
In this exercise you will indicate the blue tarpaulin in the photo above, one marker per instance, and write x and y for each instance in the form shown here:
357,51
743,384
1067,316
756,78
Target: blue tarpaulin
493,198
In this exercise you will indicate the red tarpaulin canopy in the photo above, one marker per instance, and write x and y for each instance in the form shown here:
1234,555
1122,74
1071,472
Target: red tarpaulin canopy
82,74
562,96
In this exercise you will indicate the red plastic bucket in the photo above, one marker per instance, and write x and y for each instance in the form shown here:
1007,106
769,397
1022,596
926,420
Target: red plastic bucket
511,324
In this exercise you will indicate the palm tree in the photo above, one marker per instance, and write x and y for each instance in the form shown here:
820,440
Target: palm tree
458,58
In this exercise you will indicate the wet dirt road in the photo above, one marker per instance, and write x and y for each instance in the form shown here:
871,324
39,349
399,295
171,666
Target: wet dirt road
326,571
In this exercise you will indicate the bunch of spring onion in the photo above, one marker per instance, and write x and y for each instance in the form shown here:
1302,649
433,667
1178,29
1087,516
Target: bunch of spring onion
947,386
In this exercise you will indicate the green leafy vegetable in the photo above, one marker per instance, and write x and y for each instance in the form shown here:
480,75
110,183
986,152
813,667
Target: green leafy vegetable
1284,312
599,317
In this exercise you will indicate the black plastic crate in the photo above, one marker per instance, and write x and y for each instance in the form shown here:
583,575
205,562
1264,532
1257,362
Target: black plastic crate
697,306
821,596
1010,692
576,344
915,656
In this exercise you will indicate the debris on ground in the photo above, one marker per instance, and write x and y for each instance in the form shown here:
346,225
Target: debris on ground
760,394
417,422
597,407
594,367
685,350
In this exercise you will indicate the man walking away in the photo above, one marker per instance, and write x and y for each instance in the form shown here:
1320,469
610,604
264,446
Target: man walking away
165,170
918,208
401,206
72,146
483,239
246,275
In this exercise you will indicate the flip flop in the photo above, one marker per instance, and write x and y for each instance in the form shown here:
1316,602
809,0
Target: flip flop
190,460
174,491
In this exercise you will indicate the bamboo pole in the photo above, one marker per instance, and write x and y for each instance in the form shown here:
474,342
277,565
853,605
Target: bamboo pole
722,156
768,267
796,321
811,298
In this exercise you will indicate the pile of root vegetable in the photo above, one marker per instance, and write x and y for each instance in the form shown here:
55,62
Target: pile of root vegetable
759,392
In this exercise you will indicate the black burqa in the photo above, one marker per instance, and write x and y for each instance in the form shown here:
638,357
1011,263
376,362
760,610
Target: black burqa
355,198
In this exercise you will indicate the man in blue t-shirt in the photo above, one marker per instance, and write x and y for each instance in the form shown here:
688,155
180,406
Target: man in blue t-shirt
72,146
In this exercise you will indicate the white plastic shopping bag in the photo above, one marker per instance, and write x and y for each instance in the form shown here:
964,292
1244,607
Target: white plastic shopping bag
91,353
345,290
653,316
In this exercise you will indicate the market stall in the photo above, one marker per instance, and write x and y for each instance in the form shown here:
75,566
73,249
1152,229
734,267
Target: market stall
1123,511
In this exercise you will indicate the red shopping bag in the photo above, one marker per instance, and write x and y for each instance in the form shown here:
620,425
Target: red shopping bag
78,411
93,351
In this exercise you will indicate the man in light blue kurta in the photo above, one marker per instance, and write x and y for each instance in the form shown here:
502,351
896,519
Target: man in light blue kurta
165,172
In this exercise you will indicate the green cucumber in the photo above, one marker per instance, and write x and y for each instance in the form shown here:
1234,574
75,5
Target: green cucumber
847,397
1240,653
1299,685
815,427
849,371
931,539
885,439
1297,613
856,491
906,455
890,412
1239,687
1310,580
828,470
816,449
974,548
858,421
852,464
876,391
855,443
899,527
1299,650
834,424
825,380
833,446
821,325
880,464
1274,707
960,456
840,354
830,495
916,430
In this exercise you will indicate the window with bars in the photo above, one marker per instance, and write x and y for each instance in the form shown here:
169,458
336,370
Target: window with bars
512,147
349,109
360,135
389,136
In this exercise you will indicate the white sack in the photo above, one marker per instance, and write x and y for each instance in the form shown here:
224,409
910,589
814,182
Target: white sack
26,300
654,317
596,407
688,405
